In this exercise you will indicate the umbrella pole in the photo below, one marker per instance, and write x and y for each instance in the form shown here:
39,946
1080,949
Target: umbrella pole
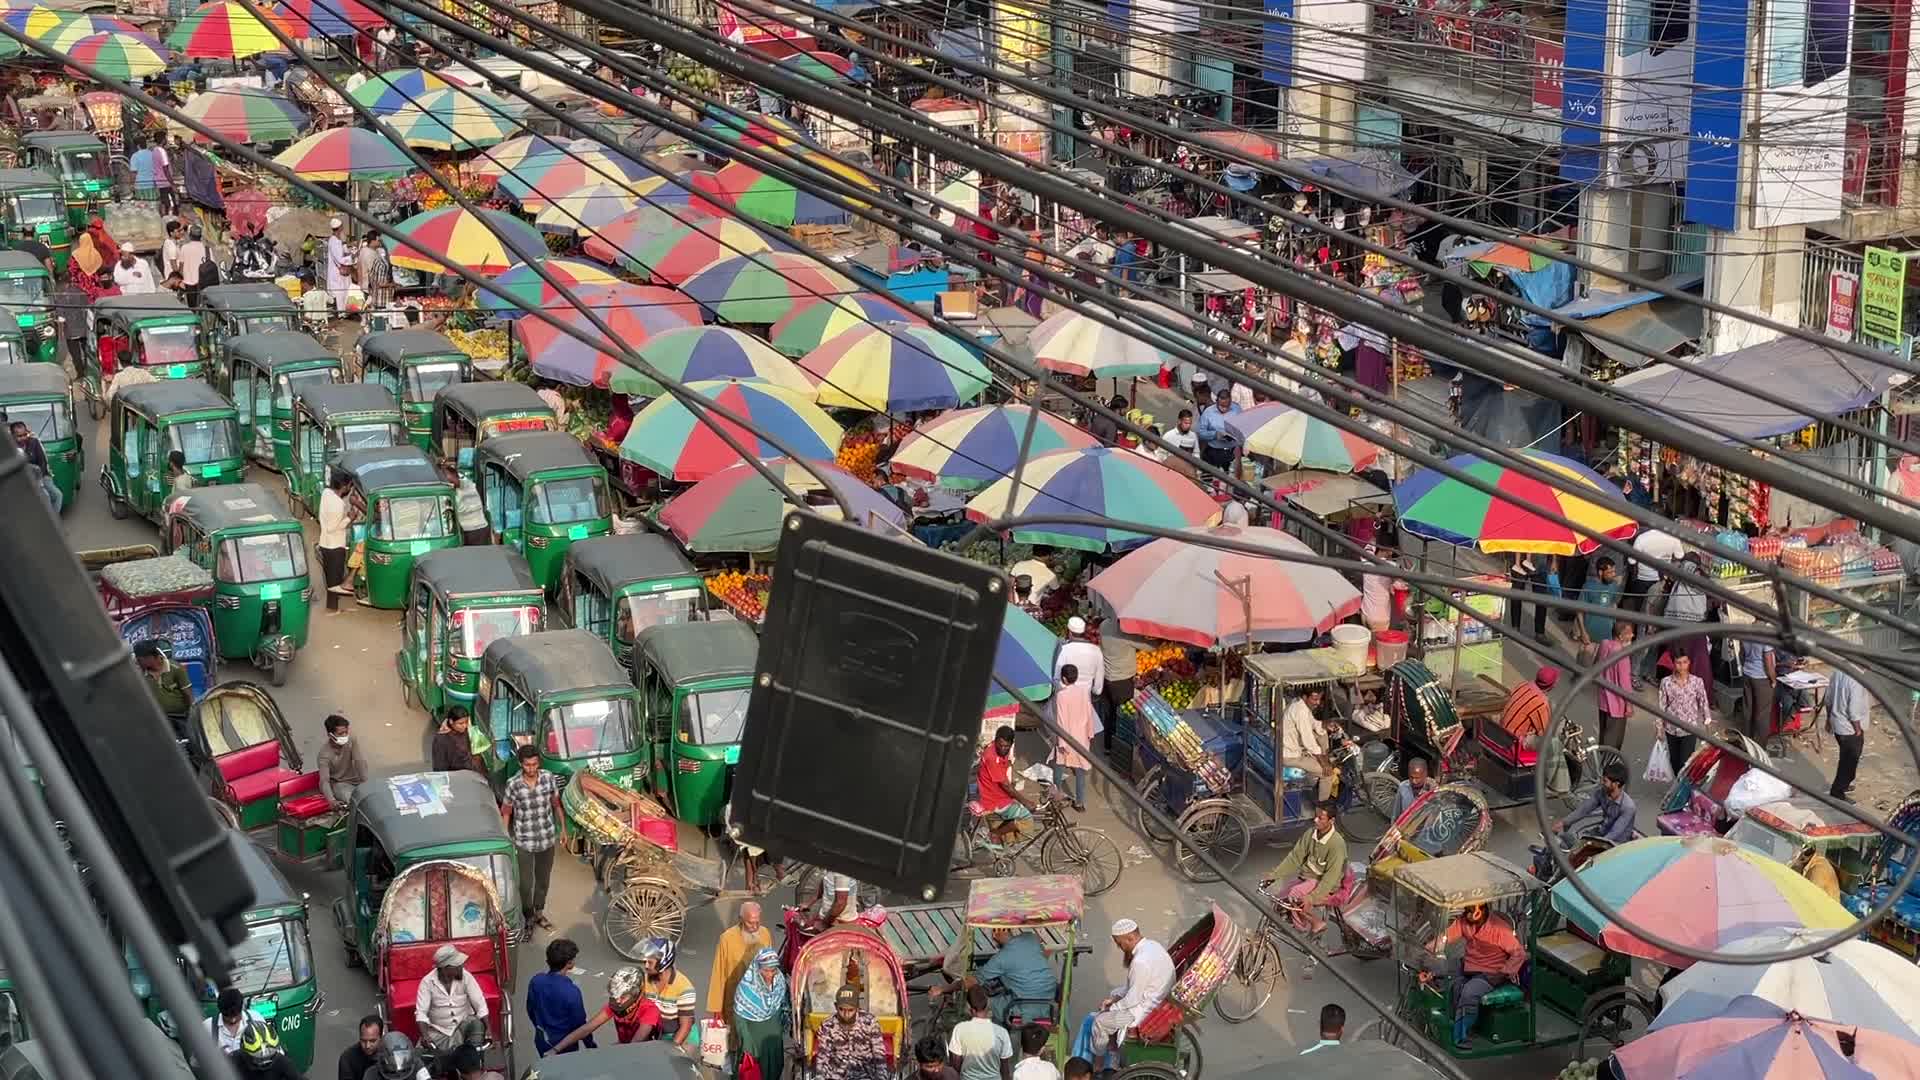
1242,590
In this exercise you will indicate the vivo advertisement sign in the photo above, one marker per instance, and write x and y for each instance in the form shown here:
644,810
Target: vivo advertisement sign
1713,145
1583,91
1276,44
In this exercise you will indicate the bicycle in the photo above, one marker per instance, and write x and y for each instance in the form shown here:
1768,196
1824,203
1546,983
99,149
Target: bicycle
1260,966
1058,846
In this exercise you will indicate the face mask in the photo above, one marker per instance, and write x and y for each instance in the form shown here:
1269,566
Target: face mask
341,740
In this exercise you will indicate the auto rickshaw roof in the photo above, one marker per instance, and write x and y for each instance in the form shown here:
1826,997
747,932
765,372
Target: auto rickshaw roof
16,262
472,815
1809,818
480,399
390,466
687,652
329,401
534,452
11,179
474,571
158,576
557,661
272,348
1019,902
169,396
23,379
614,562
399,346
247,296
270,888
63,139
227,506
1455,881
10,317
142,306
623,1061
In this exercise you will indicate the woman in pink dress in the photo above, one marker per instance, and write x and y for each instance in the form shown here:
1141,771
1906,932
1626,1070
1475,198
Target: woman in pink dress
1073,715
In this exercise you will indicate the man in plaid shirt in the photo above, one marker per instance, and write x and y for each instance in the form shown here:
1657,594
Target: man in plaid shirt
536,822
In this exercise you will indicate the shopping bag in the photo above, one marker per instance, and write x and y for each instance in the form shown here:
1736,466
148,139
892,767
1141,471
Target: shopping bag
1659,765
713,1043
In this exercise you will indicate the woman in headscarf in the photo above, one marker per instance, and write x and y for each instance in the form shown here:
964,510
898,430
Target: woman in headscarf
83,268
760,1013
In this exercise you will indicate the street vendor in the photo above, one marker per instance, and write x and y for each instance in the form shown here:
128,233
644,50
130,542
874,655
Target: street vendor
1303,741
1018,971
1315,872
1492,959
1150,976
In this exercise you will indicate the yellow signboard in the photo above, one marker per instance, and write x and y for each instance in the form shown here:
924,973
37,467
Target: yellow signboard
1021,34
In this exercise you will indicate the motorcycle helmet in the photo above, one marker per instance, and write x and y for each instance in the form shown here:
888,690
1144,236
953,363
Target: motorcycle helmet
259,1042
625,987
657,952
397,1060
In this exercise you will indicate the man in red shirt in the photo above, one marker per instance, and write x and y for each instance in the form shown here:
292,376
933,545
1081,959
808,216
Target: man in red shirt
998,803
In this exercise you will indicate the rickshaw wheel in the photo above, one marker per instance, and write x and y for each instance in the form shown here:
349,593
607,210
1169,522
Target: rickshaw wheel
1365,818
1257,971
642,908
1186,1056
1217,829
1150,788
1611,1020
1089,854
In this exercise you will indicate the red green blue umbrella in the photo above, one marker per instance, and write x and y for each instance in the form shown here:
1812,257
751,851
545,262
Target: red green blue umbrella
1441,508
518,155
489,242
738,510
78,28
755,129
584,209
677,254
895,368
37,21
775,201
705,353
824,67
1024,658
390,91
246,114
971,448
527,290
345,154
1171,589
1755,1039
122,55
819,320
540,178
1076,343
457,118
667,438
750,289
329,18
1301,441
635,313
227,30
615,241
1101,482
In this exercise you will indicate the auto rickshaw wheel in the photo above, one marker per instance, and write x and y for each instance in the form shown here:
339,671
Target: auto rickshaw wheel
116,505
1610,1021
1216,828
640,908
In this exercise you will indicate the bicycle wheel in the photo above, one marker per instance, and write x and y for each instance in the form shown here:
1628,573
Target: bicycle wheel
1612,1020
1152,791
1257,972
1366,816
1217,829
1088,853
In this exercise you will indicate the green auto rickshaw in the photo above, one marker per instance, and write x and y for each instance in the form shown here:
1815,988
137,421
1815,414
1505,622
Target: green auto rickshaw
258,556
564,692
414,365
150,420
247,307
542,491
408,512
694,682
330,419
37,395
80,160
261,373
616,586
462,600
33,206
13,342
26,289
151,331
466,414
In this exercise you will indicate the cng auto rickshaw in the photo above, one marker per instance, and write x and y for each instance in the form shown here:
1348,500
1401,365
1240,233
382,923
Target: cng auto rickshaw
466,414
151,331
261,373
37,395
33,206
148,422
616,586
694,683
258,556
461,601
542,491
1800,826
329,420
80,160
26,288
562,692
13,341
414,365
409,512
246,307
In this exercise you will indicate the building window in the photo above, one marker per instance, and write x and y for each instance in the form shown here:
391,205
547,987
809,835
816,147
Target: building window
1806,41
1654,25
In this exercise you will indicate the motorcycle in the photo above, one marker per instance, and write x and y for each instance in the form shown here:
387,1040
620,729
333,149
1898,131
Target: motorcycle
257,258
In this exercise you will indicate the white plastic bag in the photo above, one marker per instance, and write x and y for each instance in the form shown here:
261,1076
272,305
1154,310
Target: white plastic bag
713,1043
1659,765
1755,788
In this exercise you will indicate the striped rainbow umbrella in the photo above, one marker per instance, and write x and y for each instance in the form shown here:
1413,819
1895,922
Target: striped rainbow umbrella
329,18
818,320
456,118
1704,892
1300,441
1441,508
78,28
555,170
122,55
348,153
749,289
585,209
703,353
754,129
527,291
971,448
1758,1040
1102,482
614,241
775,201
390,91
1024,658
822,67
895,368
51,26
1171,589
738,510
1869,984
678,253
520,154
635,313
488,243
246,114
1075,343
667,438
226,30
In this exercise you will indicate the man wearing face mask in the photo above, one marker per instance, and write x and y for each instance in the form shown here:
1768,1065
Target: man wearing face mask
343,766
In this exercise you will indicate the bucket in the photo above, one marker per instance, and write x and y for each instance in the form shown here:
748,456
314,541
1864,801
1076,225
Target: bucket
1350,643
1389,647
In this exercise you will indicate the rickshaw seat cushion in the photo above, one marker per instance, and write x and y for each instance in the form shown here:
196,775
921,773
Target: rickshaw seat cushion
261,785
248,760
305,806
1159,1024
1685,823
304,784
1504,996
409,963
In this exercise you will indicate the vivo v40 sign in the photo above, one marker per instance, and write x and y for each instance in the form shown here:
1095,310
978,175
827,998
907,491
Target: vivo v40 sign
1883,292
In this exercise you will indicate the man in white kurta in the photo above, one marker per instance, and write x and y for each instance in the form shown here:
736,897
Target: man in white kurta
1149,980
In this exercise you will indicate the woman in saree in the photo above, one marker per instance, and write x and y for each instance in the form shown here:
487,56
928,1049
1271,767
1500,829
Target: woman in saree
760,1014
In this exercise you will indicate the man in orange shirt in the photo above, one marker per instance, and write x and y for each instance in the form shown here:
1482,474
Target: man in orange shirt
1492,959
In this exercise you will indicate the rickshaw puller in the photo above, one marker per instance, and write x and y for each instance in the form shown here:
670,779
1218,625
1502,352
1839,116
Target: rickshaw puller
1492,959
1019,966
1150,975
1315,872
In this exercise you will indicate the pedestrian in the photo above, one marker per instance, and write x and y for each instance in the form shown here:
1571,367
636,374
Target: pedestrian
1524,575
555,1005
162,162
635,1019
1079,1068
737,947
230,1019
1602,589
355,1060
133,275
36,456
1683,696
1687,601
759,1010
980,1048
1848,704
339,266
342,764
1333,1024
336,521
930,1055
1758,671
1218,444
671,992
1119,660
536,823
468,511
170,254
1033,1054
1073,717
1642,588
1080,651
452,749
1616,667
376,272
193,265
168,681
146,185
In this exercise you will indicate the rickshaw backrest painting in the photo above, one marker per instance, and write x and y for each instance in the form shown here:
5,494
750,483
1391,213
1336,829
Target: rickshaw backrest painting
435,905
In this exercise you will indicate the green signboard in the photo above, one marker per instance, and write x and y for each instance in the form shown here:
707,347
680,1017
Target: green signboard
1883,292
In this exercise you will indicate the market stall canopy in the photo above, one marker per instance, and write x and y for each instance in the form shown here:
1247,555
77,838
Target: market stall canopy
490,242
753,129
457,118
635,313
1209,596
346,154
227,30
584,209
1757,1040
737,510
1073,342
667,438
817,320
1658,327
120,55
971,448
1439,507
1509,416
617,239
1254,144
552,170
775,200
677,253
1023,658
1868,984
1299,440
526,290
1368,175
704,353
246,114
754,289
1099,482
330,18
1821,380
895,368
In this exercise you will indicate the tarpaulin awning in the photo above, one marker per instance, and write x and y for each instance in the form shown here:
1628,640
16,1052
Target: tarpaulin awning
968,44
1372,174
1601,302
1819,378
1658,328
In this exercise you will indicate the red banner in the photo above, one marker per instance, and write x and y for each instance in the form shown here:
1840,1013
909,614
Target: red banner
1549,62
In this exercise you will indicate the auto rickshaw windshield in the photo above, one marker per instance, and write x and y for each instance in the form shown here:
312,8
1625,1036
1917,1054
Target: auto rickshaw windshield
164,345
426,380
478,628
591,728
38,207
413,517
203,441
48,420
364,437
247,560
641,610
563,502
26,290
274,957
714,717
294,381
262,324
83,164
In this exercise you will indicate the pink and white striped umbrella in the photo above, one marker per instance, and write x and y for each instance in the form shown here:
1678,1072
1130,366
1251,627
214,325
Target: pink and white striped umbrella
1174,589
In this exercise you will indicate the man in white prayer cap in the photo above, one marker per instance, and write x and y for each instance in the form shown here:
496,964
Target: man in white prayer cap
1084,654
1149,979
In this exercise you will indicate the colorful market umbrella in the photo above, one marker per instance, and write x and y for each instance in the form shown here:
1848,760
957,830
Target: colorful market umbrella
1870,985
488,243
1174,589
585,209
329,18
121,55
823,67
349,153
1253,144
895,368
1074,343
246,114
1024,658
1441,508
1485,256
526,290
1101,482
755,130
737,510
970,448
635,313
677,254
456,118
816,321
705,353
1700,891
751,289
390,91
78,28
1757,1040
615,241
1300,441
517,156
226,30
538,179
55,27
667,438
775,201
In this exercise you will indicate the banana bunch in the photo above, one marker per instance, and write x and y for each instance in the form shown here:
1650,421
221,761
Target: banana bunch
480,344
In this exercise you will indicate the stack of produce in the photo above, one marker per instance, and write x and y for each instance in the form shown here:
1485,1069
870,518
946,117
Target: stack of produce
744,594
860,454
1177,741
1148,661
482,345
1581,1070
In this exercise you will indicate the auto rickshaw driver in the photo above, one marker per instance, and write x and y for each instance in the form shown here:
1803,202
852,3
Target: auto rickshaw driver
1493,957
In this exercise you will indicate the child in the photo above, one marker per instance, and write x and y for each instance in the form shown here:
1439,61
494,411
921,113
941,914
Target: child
1034,1062
1079,1068
1073,714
